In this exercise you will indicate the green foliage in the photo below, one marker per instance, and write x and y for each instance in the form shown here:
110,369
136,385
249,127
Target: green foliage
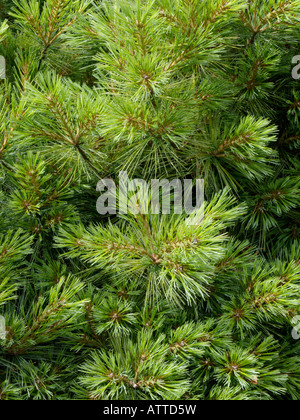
145,306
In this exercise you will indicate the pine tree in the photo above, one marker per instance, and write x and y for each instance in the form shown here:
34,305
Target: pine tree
144,306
